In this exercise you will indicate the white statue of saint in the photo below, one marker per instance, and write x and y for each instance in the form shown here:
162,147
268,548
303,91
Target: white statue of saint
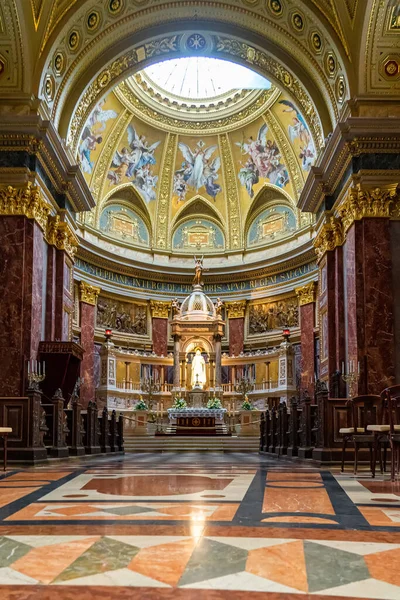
198,370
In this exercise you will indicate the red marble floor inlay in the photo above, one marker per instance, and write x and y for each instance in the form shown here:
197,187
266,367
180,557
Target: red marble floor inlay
157,485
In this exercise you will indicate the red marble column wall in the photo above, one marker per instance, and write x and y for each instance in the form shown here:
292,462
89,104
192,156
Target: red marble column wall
21,282
307,323
160,336
51,294
88,314
63,297
369,303
236,336
327,304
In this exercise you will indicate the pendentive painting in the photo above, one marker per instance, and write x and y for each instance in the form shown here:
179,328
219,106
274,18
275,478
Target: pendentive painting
297,131
137,160
95,133
197,171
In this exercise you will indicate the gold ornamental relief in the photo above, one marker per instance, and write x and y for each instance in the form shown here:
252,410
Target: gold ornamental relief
159,309
330,236
88,293
367,203
272,316
26,201
306,293
60,235
236,310
165,192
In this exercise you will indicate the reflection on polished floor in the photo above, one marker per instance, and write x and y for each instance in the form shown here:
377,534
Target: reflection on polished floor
196,526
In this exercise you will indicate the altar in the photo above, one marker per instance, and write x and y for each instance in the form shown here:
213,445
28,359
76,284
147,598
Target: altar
197,421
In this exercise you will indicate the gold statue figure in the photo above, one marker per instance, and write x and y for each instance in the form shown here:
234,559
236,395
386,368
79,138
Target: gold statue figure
198,265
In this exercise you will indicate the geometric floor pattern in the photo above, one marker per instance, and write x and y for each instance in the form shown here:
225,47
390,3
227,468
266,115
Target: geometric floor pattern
196,526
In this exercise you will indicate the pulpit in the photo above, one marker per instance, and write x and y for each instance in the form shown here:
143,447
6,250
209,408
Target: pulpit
63,365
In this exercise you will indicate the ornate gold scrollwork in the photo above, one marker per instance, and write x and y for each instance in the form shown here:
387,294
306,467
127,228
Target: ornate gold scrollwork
306,293
60,235
26,201
88,293
359,203
236,310
159,309
330,236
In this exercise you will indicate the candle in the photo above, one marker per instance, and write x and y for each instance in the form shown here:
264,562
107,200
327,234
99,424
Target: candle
358,367
342,367
44,368
28,367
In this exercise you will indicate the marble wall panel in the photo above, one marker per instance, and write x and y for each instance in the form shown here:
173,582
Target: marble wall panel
395,245
236,336
160,336
51,294
88,362
307,346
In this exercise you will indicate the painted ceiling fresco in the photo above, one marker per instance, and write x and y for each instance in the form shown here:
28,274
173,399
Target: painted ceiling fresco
118,148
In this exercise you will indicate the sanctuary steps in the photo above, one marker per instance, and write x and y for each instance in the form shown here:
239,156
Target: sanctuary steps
190,444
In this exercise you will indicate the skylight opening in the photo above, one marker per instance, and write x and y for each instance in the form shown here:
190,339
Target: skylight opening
198,77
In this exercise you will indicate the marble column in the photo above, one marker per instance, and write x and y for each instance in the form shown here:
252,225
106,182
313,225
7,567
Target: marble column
306,296
64,302
236,313
217,348
88,299
22,253
160,313
177,348
369,304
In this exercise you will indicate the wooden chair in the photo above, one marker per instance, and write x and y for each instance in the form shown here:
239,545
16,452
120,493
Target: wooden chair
4,431
365,411
392,397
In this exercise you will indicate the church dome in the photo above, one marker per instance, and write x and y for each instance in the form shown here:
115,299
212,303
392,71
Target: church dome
197,305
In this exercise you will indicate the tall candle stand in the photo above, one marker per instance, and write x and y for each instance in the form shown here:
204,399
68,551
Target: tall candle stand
36,373
350,376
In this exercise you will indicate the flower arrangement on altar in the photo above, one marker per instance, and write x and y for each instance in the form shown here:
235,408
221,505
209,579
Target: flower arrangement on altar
214,403
179,403
247,405
141,405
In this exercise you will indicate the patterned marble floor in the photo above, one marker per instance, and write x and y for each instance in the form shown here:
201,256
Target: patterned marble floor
196,526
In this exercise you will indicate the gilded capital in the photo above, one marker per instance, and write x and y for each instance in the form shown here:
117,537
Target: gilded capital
26,201
236,310
306,293
362,203
330,236
88,293
60,235
159,309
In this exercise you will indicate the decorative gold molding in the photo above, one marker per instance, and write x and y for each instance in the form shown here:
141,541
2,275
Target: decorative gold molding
306,293
235,229
26,201
236,310
330,236
60,235
88,293
361,203
161,238
159,309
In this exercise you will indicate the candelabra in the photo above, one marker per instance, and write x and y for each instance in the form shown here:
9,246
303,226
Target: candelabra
244,386
350,376
36,374
150,387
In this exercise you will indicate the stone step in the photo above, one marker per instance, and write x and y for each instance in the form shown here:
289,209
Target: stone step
190,443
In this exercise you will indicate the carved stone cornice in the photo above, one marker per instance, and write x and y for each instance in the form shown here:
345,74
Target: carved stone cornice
159,309
330,236
26,201
88,293
60,235
306,293
361,203
236,310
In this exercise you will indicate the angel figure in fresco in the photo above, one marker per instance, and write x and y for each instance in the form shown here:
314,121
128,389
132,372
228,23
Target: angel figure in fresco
264,160
88,143
299,130
199,170
100,116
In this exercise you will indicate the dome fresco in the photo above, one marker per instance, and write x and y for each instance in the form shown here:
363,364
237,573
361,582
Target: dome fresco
222,170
